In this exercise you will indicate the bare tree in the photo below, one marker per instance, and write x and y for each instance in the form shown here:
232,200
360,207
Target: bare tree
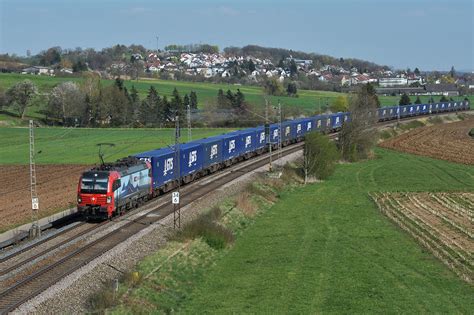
359,135
68,101
20,96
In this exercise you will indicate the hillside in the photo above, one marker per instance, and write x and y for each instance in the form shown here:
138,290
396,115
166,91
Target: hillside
307,102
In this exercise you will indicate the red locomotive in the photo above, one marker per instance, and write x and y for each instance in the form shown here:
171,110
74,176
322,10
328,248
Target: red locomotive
112,188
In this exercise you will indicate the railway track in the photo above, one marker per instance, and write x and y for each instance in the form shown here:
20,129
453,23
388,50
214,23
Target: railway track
14,263
41,279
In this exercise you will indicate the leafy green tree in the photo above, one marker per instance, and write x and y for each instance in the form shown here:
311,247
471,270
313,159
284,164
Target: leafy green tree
21,95
51,57
417,71
193,100
134,105
293,68
452,72
370,92
114,106
230,97
340,104
272,86
320,156
168,113
239,104
404,99
291,89
418,100
251,65
443,99
186,101
177,104
79,66
221,99
3,98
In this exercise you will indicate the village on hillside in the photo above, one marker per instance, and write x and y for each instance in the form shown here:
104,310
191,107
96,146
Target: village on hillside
215,66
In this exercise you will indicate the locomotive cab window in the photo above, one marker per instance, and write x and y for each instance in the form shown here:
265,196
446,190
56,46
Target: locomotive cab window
94,183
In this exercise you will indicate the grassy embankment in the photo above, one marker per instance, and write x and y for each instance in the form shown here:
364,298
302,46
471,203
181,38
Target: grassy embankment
79,146
321,248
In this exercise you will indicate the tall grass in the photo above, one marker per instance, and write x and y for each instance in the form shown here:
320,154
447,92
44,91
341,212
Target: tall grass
209,229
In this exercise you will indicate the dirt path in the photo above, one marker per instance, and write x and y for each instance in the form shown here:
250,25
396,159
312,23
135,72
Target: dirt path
449,142
56,187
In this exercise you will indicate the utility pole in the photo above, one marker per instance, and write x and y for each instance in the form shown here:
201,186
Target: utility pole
280,131
269,139
175,194
157,44
35,229
190,138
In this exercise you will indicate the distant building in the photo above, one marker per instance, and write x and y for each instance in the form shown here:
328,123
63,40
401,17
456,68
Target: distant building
37,70
388,82
442,89
400,90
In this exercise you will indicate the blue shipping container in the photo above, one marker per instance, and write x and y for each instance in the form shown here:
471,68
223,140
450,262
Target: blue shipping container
231,145
336,120
212,150
162,165
248,138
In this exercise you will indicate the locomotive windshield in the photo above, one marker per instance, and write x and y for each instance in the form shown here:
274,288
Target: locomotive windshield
94,183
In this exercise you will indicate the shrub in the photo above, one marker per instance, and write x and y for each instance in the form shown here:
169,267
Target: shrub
320,155
205,226
386,134
412,125
102,300
436,120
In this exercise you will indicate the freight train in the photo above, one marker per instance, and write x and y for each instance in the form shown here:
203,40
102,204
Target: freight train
112,188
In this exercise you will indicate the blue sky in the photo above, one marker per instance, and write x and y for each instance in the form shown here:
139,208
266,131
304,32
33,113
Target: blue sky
429,34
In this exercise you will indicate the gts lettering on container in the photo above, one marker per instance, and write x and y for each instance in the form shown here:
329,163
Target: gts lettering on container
309,126
287,131
231,145
192,158
213,151
262,137
248,141
298,128
275,133
168,166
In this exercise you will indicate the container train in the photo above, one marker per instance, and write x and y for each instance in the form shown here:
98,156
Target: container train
112,188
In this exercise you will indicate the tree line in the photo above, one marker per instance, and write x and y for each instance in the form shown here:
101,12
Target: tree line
91,104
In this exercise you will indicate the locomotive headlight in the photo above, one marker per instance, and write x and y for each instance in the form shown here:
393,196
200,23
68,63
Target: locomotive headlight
109,199
79,200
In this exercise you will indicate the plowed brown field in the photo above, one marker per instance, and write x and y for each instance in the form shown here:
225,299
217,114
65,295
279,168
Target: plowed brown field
442,222
449,142
56,187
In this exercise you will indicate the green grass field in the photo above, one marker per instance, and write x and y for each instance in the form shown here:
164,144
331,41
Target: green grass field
326,248
79,146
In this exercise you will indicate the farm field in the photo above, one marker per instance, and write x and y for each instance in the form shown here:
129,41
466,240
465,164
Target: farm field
79,145
326,248
56,187
449,142
441,222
